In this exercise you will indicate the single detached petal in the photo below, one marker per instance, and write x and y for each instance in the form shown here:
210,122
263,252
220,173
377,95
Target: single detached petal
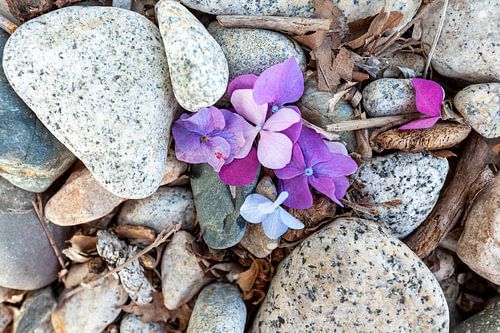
205,121
295,168
313,147
280,84
217,151
324,185
281,120
245,106
420,123
341,186
188,146
336,147
241,172
289,220
245,81
272,226
251,210
300,196
293,132
274,150
429,96
338,165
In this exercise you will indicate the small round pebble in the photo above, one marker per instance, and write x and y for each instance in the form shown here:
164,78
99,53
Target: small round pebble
389,97
133,324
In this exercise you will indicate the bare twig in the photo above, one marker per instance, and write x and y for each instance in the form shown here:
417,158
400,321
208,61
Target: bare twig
362,138
7,25
352,125
360,208
328,135
436,38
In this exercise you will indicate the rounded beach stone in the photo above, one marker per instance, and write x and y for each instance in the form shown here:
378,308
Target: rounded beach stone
133,324
219,308
197,65
352,276
165,208
89,84
468,47
34,315
251,51
411,182
486,321
479,104
389,97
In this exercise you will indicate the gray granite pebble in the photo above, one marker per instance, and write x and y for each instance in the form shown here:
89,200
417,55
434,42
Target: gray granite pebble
352,276
414,179
30,156
486,321
165,208
103,93
468,47
133,324
218,309
479,104
34,315
389,97
197,65
251,51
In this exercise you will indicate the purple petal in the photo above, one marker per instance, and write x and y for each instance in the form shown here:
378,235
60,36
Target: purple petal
324,185
274,150
280,84
205,121
281,120
245,106
272,225
293,132
245,81
242,171
420,123
429,96
216,151
336,147
341,186
338,165
233,133
188,146
296,166
300,196
314,149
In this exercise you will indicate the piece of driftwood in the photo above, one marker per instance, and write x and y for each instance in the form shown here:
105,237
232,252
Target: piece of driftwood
352,125
467,180
291,25
24,10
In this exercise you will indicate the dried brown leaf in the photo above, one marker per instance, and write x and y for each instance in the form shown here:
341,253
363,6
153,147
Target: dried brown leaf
83,243
444,153
134,232
75,255
154,311
313,40
248,277
333,67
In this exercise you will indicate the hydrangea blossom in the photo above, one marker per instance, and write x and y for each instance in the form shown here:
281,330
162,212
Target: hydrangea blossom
429,96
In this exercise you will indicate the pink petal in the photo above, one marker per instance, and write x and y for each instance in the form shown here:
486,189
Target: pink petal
245,81
281,120
241,172
336,147
245,106
420,123
300,196
293,132
296,166
216,151
429,96
313,147
249,133
338,165
325,185
274,150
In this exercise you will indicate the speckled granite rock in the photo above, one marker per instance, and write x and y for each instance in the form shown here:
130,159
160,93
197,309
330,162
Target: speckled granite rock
415,179
30,156
468,47
251,51
34,315
27,260
88,83
486,321
133,324
389,97
479,104
479,244
218,309
165,208
181,275
196,62
352,276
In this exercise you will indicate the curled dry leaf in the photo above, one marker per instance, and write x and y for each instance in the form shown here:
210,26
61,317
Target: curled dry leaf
136,233
332,67
13,296
254,280
82,273
82,248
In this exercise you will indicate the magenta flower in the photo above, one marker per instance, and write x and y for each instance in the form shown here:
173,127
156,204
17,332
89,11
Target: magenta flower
429,96
313,164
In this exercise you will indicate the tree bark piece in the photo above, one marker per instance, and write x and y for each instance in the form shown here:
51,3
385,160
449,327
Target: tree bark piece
24,10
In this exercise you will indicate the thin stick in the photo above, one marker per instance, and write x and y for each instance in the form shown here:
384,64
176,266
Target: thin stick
362,136
436,38
352,125
7,25
359,208
291,25
328,135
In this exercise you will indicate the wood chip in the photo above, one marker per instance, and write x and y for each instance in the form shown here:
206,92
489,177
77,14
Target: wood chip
136,233
291,25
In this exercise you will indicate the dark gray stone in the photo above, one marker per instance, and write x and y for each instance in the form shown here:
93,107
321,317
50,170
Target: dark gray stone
486,321
34,315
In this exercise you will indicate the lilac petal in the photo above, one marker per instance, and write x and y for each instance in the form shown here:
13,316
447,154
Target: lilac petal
216,151
205,121
296,166
245,106
293,132
289,220
241,172
314,149
338,165
281,120
274,150
420,123
272,226
245,81
280,84
324,185
233,133
188,146
336,147
252,211
429,96
300,194
341,186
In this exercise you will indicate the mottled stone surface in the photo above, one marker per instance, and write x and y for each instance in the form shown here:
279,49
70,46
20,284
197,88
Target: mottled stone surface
486,321
219,308
80,200
251,51
468,47
197,65
479,244
90,310
409,60
181,275
133,324
352,276
414,179
34,315
389,97
30,156
479,104
104,94
27,260
165,208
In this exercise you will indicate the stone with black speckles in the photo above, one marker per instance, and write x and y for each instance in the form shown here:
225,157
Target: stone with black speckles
389,97
97,78
486,321
479,104
251,51
415,180
133,324
352,276
197,65
469,44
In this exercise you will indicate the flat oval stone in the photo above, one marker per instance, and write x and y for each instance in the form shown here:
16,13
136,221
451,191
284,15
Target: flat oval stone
30,156
251,51
468,47
479,104
197,65
389,97
103,93
352,276
413,179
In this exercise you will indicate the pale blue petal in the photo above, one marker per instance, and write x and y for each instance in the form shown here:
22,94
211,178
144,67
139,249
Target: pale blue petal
272,225
289,220
252,209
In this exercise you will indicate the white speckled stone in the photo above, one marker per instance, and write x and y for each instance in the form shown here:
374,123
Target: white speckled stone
165,208
219,308
415,179
97,78
389,97
196,62
352,276
133,324
479,104
468,47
